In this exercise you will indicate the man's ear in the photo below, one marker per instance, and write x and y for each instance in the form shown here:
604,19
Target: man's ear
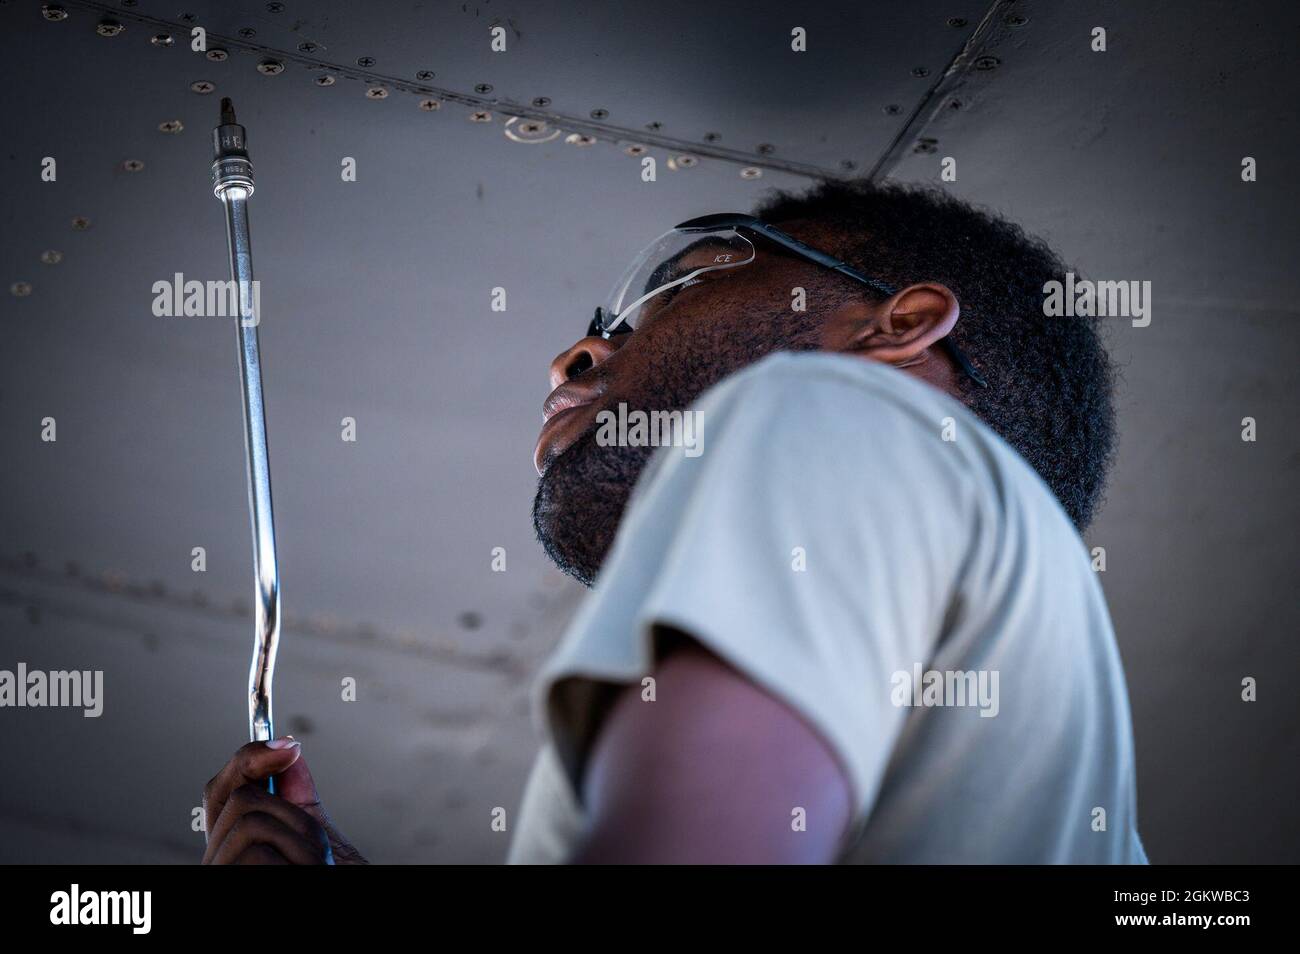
898,330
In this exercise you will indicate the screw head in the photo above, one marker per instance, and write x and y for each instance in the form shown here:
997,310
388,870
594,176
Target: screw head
600,114
424,75
376,92
275,7
171,126
365,61
247,32
53,12
685,162
957,22
51,256
766,149
308,46
541,102
579,139
217,55
920,71
893,109
270,67
1016,19
132,165
636,149
711,137
20,289
202,87
482,88
848,165
80,223
987,63
324,80
161,39
654,126
480,116
429,105
751,172
109,28
926,145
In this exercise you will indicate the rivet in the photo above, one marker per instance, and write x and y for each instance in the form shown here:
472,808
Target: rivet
541,102
51,256
424,75
376,92
483,88
247,32
161,39
365,61
217,55
270,67
20,289
429,105
579,139
53,12
171,126
132,165
202,86
600,114
987,63
324,80
750,172
80,223
109,28
481,116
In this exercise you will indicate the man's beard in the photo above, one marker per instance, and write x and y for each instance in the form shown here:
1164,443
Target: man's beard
580,502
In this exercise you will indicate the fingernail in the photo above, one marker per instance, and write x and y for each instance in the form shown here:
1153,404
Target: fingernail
285,743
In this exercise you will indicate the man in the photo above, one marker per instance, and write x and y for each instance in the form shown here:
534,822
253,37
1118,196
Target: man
855,623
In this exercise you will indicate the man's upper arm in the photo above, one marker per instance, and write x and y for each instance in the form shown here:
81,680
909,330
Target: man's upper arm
713,770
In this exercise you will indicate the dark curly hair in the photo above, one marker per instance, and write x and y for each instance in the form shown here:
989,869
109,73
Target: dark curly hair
1050,379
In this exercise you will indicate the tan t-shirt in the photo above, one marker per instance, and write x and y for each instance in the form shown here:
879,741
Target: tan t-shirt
862,547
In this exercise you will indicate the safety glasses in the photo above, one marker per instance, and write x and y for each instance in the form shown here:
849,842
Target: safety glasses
693,251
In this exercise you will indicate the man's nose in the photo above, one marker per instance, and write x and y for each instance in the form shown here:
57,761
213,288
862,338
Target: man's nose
581,355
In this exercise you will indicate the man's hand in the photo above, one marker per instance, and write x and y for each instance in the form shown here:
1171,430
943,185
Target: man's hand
246,825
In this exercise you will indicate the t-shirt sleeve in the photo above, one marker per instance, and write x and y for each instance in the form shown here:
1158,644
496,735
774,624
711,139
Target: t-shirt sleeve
814,544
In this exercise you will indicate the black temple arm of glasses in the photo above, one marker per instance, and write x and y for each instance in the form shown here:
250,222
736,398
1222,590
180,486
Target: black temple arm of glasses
737,220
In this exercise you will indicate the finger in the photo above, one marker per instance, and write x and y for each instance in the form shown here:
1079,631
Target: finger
254,762
260,828
294,784
261,855
253,798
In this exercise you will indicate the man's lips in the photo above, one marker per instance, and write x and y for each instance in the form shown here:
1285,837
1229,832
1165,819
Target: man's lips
563,423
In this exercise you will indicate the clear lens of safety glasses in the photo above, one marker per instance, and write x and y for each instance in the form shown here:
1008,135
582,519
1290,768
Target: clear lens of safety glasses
676,260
